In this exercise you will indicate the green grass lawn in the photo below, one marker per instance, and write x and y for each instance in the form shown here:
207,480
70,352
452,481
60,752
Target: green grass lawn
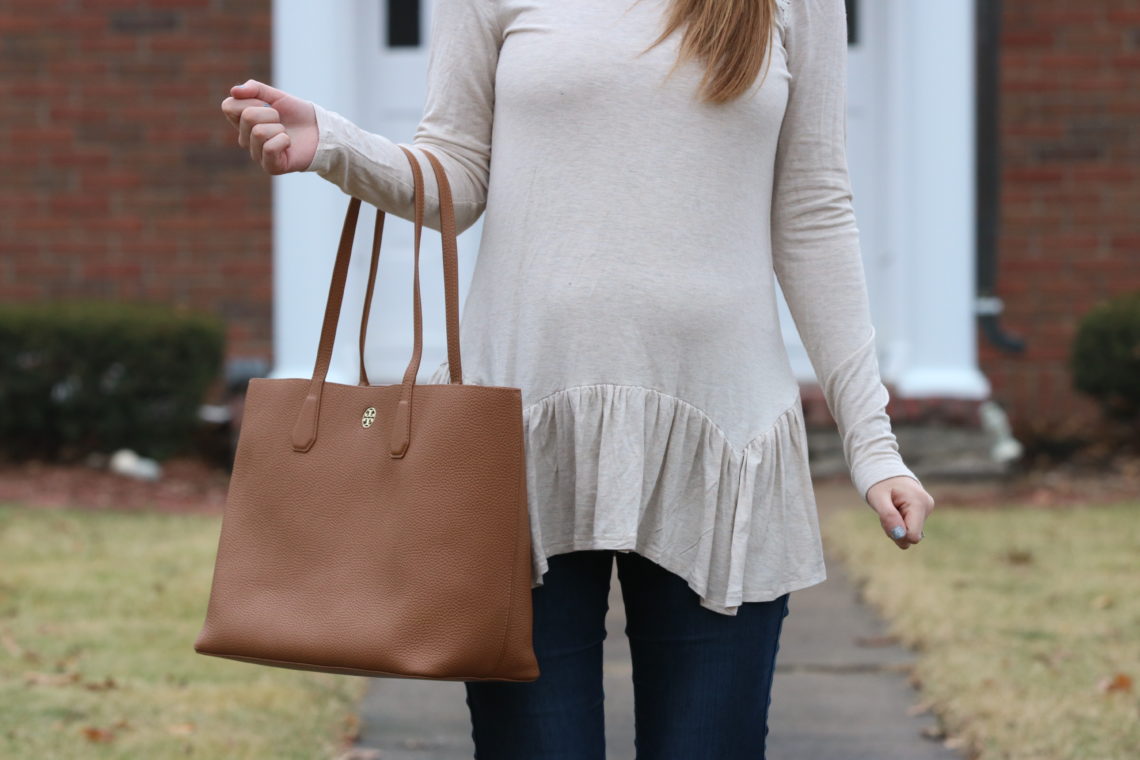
98,614
1027,623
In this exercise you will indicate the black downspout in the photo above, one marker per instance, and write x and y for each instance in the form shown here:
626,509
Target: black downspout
987,305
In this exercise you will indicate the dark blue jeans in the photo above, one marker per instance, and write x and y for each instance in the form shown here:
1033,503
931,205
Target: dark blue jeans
702,680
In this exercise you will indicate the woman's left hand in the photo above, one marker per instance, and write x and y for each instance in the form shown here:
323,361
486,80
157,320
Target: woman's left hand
903,506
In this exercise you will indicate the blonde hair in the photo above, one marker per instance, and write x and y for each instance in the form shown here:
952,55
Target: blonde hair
729,36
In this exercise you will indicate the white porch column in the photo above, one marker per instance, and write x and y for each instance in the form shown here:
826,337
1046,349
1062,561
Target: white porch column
931,213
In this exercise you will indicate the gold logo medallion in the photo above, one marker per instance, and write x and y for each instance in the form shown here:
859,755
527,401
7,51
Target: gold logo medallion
369,417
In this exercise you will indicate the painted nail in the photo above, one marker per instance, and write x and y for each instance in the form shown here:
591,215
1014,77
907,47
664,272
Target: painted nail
898,532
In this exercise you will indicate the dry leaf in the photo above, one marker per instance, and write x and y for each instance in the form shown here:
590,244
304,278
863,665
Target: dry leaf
106,683
919,708
97,734
67,663
1046,660
181,729
352,726
16,650
10,644
933,732
1103,602
361,753
50,679
955,742
1116,682
1019,556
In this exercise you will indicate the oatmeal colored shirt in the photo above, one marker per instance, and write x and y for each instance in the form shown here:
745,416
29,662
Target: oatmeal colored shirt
625,281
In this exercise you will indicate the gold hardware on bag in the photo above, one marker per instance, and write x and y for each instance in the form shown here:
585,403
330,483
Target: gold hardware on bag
369,417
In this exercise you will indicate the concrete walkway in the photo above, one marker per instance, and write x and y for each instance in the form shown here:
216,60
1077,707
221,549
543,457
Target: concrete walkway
840,690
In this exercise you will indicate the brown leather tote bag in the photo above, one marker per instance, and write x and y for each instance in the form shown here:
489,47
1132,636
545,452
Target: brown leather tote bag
378,530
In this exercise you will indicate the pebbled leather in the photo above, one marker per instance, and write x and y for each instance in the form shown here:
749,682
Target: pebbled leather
378,530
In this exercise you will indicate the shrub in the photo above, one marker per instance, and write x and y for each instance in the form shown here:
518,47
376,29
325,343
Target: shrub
1105,356
83,376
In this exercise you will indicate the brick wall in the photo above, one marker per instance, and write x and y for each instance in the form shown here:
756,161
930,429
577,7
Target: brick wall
1070,195
121,177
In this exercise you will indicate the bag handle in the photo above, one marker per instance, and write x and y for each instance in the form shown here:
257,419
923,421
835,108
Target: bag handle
450,273
305,428
377,234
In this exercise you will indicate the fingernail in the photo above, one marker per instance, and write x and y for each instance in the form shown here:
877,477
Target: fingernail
898,532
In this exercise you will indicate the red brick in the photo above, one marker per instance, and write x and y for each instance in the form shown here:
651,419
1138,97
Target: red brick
76,158
1071,62
21,291
98,181
38,269
163,247
114,224
75,248
1072,242
113,270
79,204
101,91
22,137
1021,38
180,44
104,45
1069,15
65,112
30,223
179,135
1110,266
1034,174
1125,16
1126,241
1017,131
1096,173
22,159
18,24
184,4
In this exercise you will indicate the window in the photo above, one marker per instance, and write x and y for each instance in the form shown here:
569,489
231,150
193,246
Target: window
403,23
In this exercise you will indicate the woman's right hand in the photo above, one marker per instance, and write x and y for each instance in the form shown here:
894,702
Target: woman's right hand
279,130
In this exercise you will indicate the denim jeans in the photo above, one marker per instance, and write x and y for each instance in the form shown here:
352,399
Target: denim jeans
702,680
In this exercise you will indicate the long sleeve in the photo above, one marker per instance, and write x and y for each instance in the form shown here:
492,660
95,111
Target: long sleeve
456,125
815,242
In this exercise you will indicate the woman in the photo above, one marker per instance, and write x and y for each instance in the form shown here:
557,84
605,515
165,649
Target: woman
647,182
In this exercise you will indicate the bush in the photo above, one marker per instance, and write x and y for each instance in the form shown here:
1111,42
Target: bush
84,376
1105,357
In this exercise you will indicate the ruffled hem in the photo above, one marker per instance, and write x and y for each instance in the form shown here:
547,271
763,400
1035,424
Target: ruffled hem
627,467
